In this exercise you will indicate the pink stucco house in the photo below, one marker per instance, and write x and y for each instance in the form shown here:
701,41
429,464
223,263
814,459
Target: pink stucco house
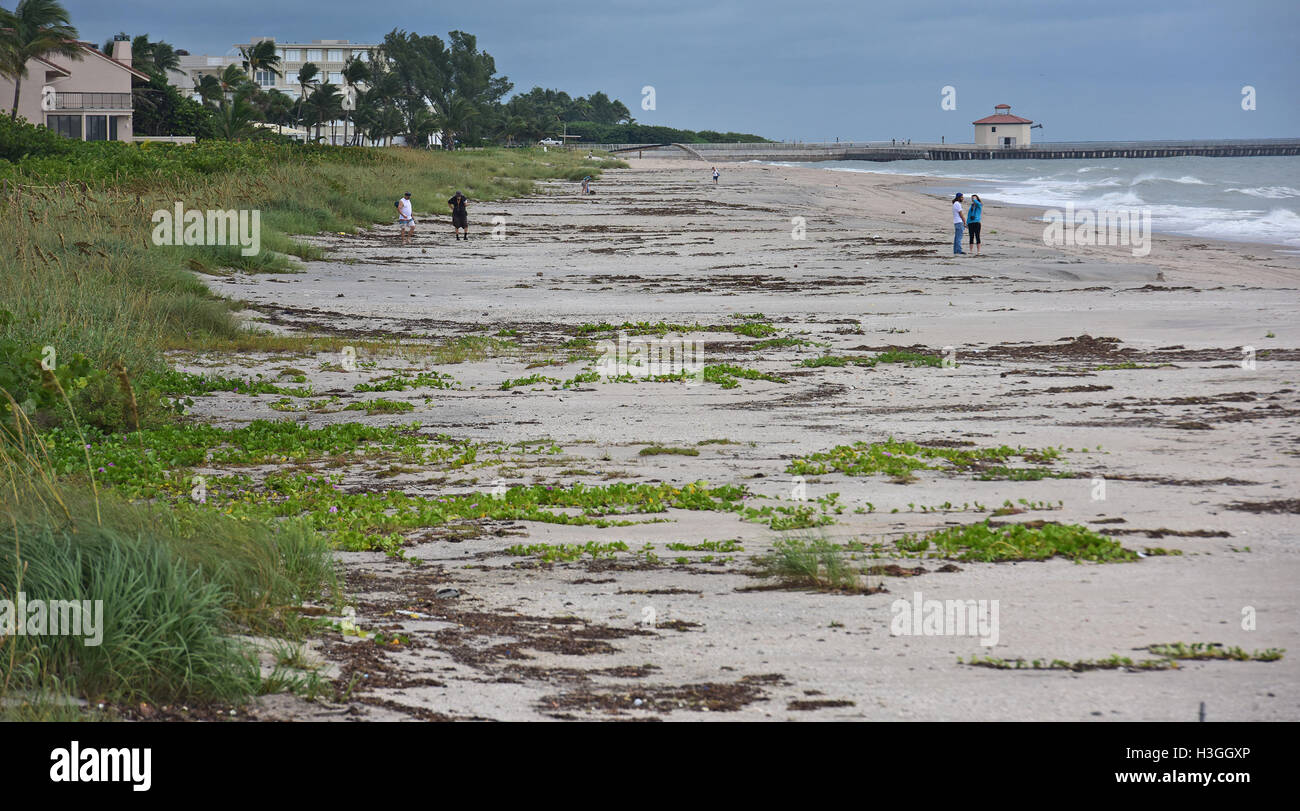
87,98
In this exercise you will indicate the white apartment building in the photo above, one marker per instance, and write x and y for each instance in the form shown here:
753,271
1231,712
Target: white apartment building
328,55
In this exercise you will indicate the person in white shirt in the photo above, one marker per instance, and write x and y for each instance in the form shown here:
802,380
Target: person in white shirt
405,218
958,223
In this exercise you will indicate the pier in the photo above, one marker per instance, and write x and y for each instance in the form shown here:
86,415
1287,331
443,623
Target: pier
886,151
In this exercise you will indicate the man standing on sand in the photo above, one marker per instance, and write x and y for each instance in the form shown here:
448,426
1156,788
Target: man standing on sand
459,216
958,223
715,175
405,218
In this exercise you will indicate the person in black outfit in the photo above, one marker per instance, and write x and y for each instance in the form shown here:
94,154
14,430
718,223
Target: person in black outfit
459,216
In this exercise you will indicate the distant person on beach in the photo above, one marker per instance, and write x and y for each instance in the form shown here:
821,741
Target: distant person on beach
459,216
405,218
973,222
958,223
586,185
715,175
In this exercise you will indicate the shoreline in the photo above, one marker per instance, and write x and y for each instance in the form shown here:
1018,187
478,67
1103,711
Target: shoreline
939,180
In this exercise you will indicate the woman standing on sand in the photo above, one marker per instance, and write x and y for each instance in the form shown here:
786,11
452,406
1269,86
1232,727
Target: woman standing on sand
973,222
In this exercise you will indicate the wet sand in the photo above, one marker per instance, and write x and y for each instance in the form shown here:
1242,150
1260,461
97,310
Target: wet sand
1199,454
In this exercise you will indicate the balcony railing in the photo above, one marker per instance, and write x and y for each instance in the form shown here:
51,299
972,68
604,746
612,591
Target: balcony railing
92,101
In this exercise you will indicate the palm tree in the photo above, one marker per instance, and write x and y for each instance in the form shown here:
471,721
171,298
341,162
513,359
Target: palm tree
233,80
277,109
164,58
325,104
209,89
306,79
421,125
34,28
260,56
453,118
232,119
354,72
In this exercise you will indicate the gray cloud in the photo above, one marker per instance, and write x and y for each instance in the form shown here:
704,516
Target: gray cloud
821,69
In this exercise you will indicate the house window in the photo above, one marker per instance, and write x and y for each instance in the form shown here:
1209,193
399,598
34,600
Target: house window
363,56
112,128
290,54
335,55
995,129
291,77
313,54
336,78
69,126
96,128
265,78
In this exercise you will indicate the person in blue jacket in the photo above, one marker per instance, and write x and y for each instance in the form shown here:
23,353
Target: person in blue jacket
973,222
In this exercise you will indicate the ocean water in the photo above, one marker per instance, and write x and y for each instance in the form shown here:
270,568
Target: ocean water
1245,199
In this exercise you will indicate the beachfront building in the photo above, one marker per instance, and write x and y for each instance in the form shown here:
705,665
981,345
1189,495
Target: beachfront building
328,55
87,98
193,67
1002,128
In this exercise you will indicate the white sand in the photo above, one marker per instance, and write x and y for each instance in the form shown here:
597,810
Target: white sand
659,242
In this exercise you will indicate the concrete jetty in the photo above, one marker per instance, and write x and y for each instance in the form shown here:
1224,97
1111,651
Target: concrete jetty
887,151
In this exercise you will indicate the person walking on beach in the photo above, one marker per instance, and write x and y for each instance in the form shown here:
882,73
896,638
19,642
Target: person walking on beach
958,223
973,222
459,216
715,175
405,218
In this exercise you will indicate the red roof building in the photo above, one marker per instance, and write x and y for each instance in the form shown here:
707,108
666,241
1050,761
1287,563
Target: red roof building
1002,129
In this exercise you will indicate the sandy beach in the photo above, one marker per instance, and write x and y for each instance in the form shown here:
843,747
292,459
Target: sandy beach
1137,359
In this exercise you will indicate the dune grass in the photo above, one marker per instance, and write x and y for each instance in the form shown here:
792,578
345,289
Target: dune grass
80,273
813,563
175,587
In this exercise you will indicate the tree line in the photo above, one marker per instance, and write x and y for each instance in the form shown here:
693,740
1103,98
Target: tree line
422,88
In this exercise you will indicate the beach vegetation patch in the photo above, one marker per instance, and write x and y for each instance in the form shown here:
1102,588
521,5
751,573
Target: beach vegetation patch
813,563
907,358
988,542
422,380
381,406
659,450
751,329
901,459
1168,657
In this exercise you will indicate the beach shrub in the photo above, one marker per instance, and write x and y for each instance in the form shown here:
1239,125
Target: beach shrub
176,584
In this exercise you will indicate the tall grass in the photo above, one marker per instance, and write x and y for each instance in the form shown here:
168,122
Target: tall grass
79,271
176,588
809,562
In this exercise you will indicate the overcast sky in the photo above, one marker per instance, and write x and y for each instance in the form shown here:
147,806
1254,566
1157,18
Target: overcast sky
821,69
